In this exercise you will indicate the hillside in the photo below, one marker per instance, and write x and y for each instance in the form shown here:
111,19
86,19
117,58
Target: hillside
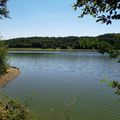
64,42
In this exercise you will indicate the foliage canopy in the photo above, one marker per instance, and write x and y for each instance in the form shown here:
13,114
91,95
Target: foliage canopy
3,9
104,10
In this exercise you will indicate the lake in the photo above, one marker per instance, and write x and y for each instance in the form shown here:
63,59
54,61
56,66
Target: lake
59,84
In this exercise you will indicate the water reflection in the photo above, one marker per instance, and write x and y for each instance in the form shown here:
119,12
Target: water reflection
55,78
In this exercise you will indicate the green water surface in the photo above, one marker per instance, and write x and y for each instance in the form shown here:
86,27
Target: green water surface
66,85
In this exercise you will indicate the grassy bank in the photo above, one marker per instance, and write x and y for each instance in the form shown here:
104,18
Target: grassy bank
40,49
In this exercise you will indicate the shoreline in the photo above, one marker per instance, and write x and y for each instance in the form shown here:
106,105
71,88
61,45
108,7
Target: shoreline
11,74
40,49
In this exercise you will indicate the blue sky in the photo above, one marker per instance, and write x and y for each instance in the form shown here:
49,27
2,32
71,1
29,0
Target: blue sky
50,18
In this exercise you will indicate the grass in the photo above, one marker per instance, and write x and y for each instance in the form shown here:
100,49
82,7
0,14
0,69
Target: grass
50,49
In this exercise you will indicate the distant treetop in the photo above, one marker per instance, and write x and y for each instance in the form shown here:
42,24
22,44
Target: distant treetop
104,10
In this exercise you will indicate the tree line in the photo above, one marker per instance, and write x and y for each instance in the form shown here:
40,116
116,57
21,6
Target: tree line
109,43
65,42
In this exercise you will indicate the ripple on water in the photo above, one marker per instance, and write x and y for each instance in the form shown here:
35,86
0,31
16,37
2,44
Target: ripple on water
49,81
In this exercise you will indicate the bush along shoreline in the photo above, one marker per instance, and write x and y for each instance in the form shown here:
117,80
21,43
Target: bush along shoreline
13,110
3,58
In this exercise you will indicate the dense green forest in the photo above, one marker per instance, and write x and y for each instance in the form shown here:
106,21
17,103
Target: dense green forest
109,43
64,42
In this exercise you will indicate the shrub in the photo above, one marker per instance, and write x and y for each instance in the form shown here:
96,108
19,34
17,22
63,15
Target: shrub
3,58
14,111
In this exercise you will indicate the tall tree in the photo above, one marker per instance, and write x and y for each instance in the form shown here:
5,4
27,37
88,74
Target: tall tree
3,51
104,10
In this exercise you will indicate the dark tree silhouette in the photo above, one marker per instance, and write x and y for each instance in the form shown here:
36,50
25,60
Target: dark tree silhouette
104,10
3,9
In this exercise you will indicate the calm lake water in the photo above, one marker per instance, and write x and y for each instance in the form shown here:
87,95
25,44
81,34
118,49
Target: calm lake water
66,84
